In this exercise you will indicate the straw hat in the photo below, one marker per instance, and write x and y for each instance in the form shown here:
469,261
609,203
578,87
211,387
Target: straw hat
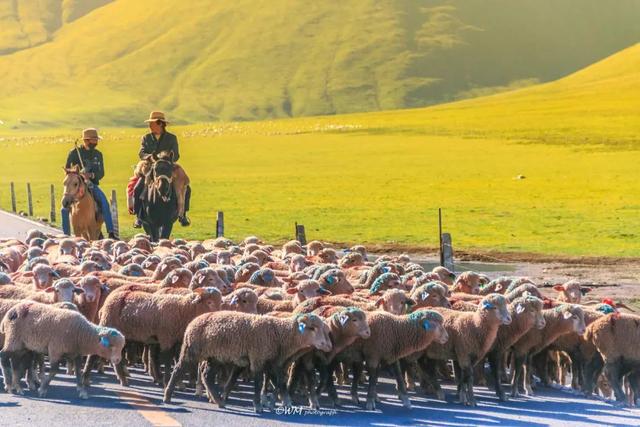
155,116
90,133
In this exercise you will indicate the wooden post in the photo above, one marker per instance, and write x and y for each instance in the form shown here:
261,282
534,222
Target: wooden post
300,234
114,213
13,197
53,204
440,235
220,224
29,200
447,252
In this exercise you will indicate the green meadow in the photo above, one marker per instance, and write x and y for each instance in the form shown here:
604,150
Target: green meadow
380,177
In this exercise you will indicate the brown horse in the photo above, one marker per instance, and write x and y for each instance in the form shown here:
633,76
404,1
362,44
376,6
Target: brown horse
86,218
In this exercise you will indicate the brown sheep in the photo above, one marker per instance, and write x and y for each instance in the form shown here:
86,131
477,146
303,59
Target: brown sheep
57,332
444,275
571,292
246,341
244,300
468,282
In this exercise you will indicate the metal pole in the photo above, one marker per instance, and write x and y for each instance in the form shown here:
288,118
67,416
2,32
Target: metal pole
114,213
29,200
440,236
13,197
53,204
220,224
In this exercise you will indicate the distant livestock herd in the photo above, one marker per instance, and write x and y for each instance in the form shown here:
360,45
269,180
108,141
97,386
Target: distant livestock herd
296,320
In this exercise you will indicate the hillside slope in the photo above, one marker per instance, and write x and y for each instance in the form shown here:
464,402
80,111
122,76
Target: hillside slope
246,60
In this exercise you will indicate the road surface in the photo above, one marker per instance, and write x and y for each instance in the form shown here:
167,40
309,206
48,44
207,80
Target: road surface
15,226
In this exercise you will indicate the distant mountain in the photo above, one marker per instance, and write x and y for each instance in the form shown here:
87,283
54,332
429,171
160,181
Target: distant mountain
101,62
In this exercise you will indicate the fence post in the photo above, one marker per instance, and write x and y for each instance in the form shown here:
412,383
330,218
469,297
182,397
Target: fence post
29,199
300,234
53,204
220,224
13,197
447,252
114,213
440,236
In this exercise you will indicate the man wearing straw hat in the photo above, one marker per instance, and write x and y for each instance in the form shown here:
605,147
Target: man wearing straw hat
90,160
153,143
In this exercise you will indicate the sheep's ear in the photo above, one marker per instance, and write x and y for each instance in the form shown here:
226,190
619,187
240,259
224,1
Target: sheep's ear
558,288
105,288
292,291
519,308
379,302
499,287
585,290
175,279
324,291
623,305
424,295
526,294
50,289
78,291
567,314
410,302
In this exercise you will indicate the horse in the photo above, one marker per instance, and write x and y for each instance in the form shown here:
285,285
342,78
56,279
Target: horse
159,204
86,218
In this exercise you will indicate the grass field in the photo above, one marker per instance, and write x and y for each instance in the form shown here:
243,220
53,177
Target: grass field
380,177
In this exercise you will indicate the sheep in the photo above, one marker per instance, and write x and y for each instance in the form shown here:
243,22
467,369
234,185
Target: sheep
616,337
150,319
89,300
41,276
62,290
385,281
444,275
304,290
571,292
5,279
395,301
314,247
246,340
208,277
432,294
496,286
523,290
335,281
264,277
563,319
468,282
165,266
526,313
243,299
392,338
39,328
471,335
346,324
312,304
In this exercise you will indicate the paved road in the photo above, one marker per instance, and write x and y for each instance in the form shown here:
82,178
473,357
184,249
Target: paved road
15,226
140,405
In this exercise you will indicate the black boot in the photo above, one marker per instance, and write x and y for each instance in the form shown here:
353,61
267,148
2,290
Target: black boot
184,221
137,223
113,236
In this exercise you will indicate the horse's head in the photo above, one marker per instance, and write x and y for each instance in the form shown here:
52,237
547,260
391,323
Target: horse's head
161,177
74,186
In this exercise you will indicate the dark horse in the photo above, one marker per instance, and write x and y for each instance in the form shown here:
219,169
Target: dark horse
159,203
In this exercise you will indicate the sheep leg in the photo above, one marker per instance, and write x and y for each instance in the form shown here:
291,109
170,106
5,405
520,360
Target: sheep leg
518,365
120,373
88,367
176,375
402,390
210,384
154,363
528,375
373,382
326,378
165,358
430,377
612,371
7,372
54,368
357,369
467,379
231,382
590,374
82,392
257,391
281,387
311,387
495,364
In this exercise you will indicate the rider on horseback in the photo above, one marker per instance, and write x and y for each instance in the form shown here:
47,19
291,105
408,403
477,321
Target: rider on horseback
90,160
154,143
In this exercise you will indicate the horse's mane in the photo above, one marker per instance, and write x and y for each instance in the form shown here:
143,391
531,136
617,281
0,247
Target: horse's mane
165,155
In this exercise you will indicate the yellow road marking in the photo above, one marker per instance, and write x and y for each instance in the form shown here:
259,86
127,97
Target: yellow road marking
151,412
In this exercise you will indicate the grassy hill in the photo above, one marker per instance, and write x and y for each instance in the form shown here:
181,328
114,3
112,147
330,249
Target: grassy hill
380,177
109,62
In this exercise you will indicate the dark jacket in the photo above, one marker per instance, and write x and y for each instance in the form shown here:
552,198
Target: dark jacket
151,145
92,160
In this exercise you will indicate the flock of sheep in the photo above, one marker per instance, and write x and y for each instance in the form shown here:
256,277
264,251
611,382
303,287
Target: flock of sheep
295,321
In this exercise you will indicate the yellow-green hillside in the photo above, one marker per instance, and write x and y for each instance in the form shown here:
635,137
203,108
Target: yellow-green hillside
380,177
105,61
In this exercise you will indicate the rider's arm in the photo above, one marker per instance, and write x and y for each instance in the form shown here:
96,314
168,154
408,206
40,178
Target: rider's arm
145,150
72,159
98,168
174,148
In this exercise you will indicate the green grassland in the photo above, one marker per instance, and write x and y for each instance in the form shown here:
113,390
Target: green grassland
380,177
104,62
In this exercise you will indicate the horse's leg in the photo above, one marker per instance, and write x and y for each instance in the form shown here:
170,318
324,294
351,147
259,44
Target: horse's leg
166,230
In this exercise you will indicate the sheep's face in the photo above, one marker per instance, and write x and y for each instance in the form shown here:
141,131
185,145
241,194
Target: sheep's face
119,248
68,247
99,258
224,258
64,290
308,289
132,270
209,297
353,322
577,317
431,295
165,267
530,309
208,277
571,292
444,275
111,343
441,334
468,282
244,273
89,267
151,263
43,276
315,333
328,256
495,306
350,260
178,278
395,301
336,282
245,301
297,263
92,289
314,248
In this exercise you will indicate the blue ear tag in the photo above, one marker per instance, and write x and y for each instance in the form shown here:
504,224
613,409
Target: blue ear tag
104,341
487,305
330,280
114,333
301,327
386,269
426,325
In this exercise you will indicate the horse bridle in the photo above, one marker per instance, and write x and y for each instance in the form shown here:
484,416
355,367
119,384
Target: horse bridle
82,189
157,181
